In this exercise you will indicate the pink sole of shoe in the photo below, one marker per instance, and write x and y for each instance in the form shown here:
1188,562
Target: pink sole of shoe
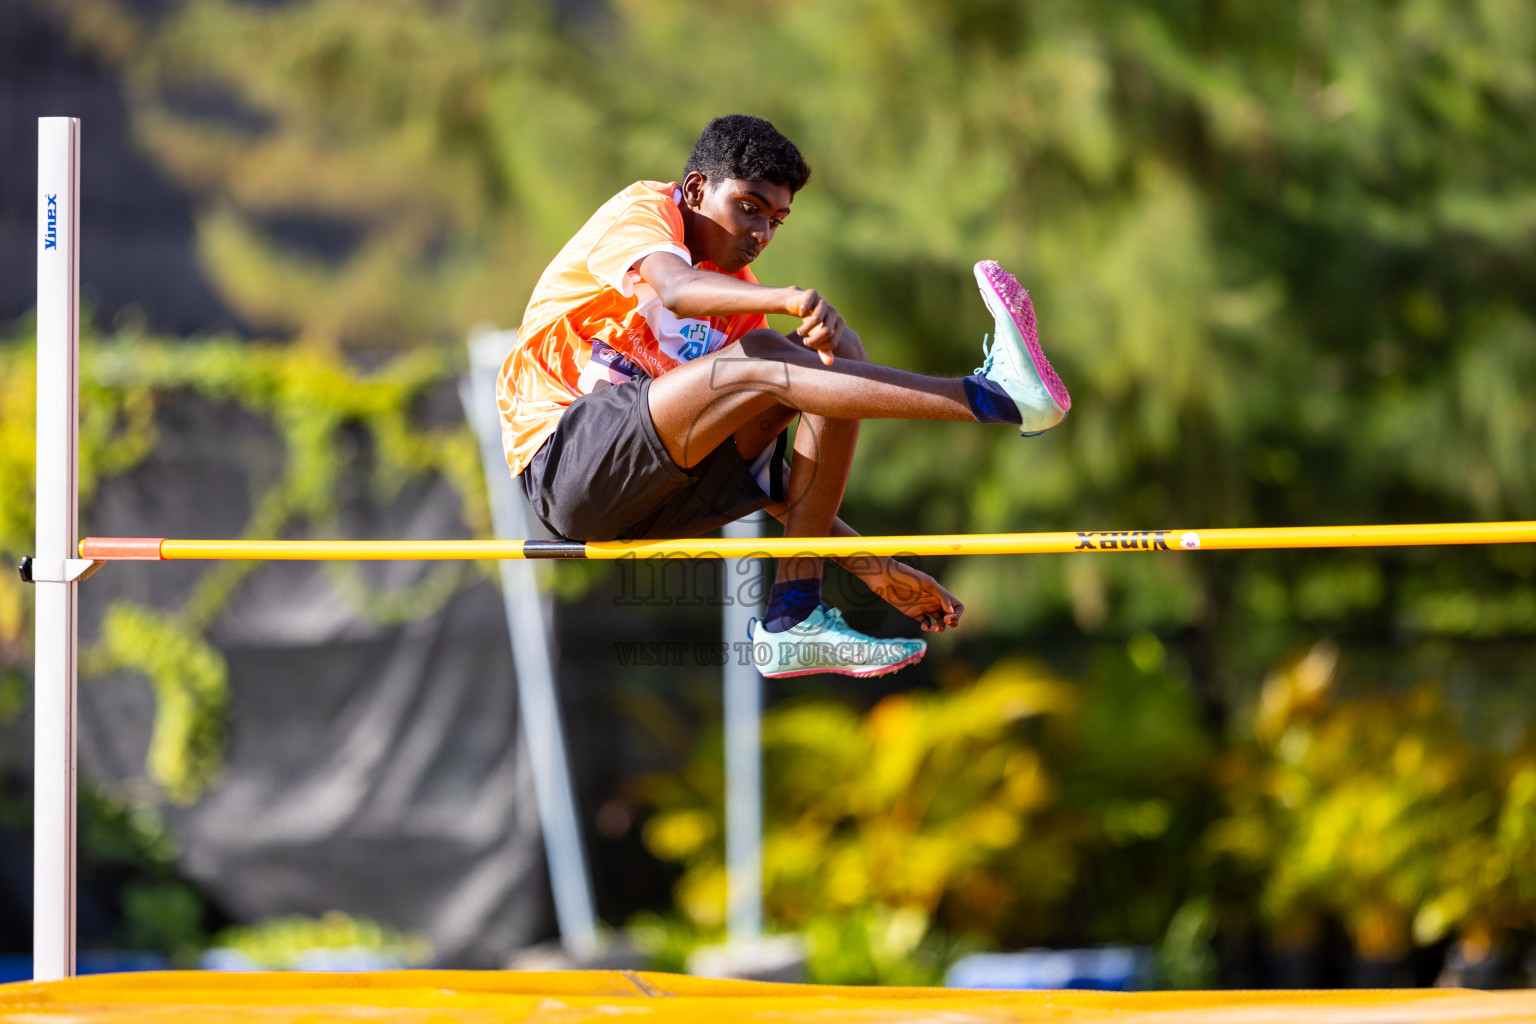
868,673
1014,300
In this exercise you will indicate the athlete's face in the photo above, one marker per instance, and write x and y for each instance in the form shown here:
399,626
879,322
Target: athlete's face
735,219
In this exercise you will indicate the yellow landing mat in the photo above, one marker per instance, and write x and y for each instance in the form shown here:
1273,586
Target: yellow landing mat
572,997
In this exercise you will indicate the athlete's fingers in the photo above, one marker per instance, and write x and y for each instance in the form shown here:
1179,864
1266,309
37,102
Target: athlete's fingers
811,335
820,339
955,610
820,325
952,609
809,300
822,313
814,308
815,332
834,331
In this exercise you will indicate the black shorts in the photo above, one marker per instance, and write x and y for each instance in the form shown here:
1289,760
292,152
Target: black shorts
605,475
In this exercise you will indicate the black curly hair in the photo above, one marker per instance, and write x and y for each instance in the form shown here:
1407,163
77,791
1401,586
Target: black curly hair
748,148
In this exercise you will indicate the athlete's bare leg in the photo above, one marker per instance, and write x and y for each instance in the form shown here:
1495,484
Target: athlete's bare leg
752,390
701,403
818,475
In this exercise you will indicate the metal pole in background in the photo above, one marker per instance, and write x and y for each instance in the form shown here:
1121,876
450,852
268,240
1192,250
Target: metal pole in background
743,745
538,703
58,360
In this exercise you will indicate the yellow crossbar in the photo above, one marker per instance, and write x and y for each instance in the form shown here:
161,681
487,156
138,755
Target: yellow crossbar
155,548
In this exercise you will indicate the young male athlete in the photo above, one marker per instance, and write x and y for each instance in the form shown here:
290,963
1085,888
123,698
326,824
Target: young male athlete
646,396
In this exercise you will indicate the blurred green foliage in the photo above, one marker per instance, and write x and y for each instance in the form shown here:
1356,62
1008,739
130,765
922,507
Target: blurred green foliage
1373,810
282,943
1280,252
928,801
1007,810
129,858
868,945
1016,810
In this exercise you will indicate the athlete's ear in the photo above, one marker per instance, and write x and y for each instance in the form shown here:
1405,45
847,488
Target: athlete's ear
694,184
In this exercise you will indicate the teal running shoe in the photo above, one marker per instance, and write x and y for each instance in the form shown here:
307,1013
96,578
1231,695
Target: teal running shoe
825,643
1014,359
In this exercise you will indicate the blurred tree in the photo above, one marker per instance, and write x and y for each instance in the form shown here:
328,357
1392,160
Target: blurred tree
1280,252
932,805
1010,809
1372,810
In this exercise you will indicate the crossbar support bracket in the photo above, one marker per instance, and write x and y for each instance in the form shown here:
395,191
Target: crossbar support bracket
57,570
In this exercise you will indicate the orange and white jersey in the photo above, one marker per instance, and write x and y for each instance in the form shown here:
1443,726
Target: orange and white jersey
593,321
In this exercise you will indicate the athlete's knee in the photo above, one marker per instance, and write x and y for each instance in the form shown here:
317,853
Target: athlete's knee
763,343
850,347
770,344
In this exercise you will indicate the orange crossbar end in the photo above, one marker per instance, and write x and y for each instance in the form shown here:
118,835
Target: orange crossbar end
122,549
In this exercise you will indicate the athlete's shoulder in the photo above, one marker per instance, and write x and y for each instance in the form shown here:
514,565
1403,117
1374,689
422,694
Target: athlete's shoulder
656,194
646,207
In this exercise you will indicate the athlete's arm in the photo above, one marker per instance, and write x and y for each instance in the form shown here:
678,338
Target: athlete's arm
690,292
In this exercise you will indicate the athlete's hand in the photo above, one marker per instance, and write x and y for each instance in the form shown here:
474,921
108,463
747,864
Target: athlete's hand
820,324
913,593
